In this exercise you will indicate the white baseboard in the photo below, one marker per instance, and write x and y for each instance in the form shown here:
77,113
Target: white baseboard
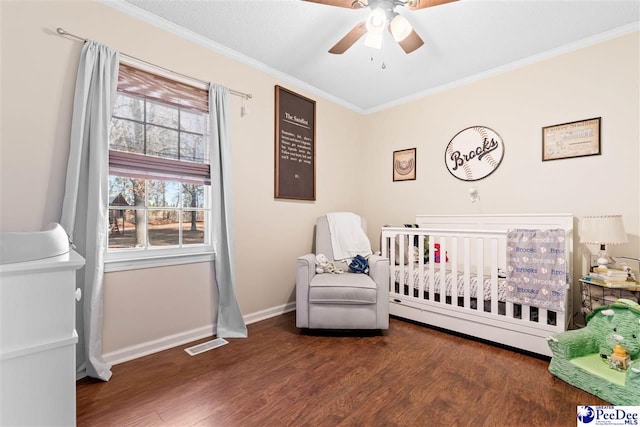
269,313
164,343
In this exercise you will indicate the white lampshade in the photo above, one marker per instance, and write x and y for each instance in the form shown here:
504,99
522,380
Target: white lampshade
377,21
373,40
602,230
400,28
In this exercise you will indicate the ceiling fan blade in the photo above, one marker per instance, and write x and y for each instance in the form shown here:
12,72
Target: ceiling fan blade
352,36
349,4
421,4
411,42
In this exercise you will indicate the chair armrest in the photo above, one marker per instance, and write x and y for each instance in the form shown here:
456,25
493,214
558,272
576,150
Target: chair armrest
633,376
305,270
575,343
379,272
306,264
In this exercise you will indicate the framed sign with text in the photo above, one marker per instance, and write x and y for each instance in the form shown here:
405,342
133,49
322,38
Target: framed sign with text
295,149
575,139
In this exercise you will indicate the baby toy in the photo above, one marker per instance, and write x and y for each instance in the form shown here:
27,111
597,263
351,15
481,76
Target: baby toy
620,359
437,253
323,265
359,264
621,331
612,336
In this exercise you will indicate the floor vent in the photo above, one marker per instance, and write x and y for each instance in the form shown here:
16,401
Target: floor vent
206,346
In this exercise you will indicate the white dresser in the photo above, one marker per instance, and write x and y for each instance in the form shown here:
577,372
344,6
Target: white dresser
37,341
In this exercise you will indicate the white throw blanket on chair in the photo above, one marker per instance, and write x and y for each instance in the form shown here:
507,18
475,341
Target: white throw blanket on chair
347,237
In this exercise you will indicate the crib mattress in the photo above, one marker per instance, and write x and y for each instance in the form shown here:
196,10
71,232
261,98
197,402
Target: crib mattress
426,274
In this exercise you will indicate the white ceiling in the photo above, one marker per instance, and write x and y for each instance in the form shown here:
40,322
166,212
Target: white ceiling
463,40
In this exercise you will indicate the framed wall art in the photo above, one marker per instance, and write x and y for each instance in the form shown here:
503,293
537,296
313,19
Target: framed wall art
574,139
295,149
404,165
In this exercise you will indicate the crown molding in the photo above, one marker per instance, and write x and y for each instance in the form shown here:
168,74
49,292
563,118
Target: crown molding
552,53
148,17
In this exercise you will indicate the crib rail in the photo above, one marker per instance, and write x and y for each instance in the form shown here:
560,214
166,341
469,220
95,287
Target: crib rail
473,263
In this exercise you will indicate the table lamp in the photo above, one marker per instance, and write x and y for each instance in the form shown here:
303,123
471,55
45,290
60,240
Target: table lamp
602,230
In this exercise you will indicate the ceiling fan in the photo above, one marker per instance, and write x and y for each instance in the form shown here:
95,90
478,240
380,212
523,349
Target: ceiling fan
382,16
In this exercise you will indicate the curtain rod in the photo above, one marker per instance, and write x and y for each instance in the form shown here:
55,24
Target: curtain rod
63,32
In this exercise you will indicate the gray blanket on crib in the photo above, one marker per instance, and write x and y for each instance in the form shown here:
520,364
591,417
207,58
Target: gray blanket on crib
537,268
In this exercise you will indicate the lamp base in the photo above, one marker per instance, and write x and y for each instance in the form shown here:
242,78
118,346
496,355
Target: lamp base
603,261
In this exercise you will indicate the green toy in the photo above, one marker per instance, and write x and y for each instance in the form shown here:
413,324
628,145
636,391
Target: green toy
602,358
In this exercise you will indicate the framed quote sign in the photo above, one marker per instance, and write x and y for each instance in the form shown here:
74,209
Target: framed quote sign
295,146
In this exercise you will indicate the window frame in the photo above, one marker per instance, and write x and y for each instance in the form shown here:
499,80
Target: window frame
135,259
121,259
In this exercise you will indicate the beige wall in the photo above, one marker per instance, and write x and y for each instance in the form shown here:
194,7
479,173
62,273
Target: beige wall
597,81
151,304
38,77
38,74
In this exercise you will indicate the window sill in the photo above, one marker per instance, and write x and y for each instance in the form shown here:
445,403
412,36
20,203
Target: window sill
136,262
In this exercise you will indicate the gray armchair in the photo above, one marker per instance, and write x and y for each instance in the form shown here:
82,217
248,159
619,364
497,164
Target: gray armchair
341,301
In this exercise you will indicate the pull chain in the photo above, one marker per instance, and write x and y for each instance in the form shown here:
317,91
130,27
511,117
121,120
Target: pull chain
372,59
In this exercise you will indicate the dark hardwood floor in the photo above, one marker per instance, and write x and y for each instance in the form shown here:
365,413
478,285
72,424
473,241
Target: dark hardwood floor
411,376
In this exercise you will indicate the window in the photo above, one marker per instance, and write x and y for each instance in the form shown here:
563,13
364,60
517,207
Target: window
159,173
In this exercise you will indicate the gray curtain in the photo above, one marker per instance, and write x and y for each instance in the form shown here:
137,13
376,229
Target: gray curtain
230,322
84,208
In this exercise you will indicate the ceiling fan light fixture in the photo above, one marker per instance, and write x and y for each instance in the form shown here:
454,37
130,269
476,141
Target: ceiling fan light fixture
400,28
377,21
373,40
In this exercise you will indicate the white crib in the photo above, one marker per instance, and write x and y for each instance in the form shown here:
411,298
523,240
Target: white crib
471,301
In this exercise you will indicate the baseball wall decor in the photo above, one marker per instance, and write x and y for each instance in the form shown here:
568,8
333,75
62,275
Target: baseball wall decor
404,165
474,153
